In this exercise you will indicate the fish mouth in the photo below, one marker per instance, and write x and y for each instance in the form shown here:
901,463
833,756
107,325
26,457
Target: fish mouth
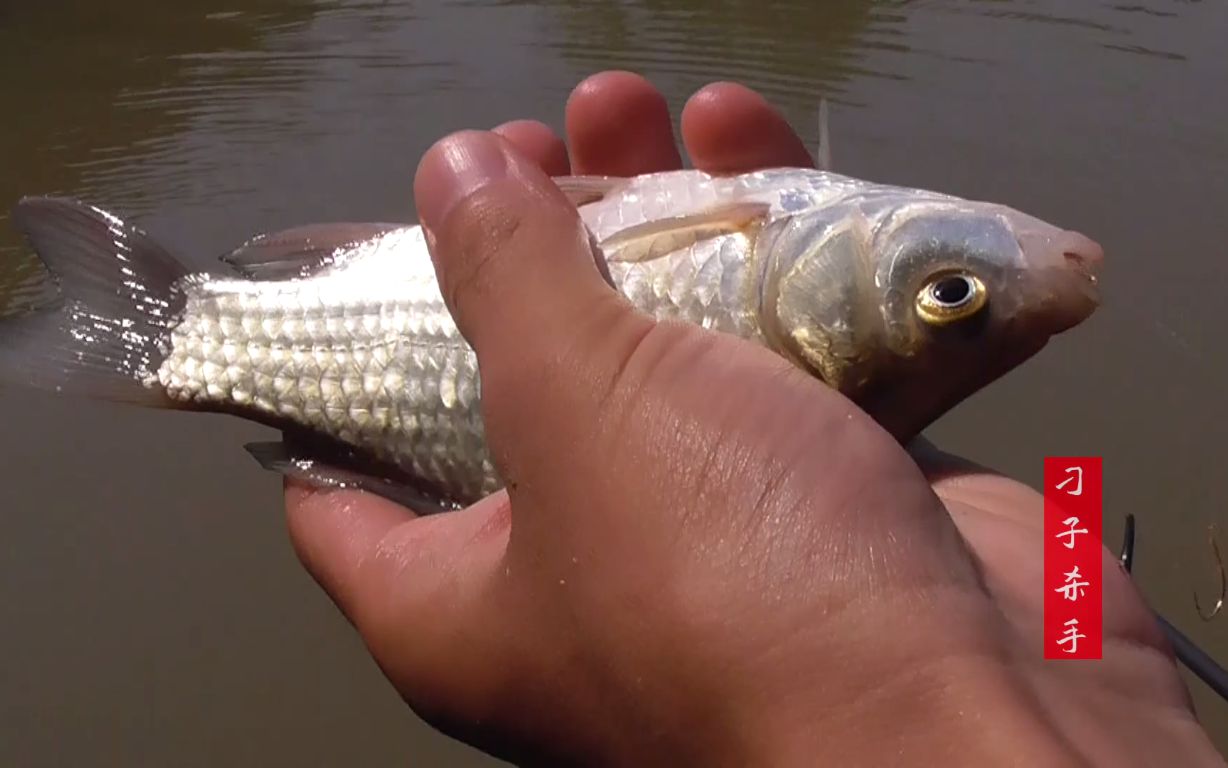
1076,280
1067,266
1083,255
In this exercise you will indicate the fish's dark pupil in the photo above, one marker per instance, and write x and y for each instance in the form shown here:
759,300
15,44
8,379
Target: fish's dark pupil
952,291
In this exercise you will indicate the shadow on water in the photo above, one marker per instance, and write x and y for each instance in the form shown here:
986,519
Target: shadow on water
153,610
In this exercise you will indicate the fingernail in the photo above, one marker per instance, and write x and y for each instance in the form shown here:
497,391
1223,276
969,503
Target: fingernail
454,169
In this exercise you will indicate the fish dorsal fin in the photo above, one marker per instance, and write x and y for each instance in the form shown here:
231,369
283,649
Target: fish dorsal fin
824,153
653,239
581,190
302,251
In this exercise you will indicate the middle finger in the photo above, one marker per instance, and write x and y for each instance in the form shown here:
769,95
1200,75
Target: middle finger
618,124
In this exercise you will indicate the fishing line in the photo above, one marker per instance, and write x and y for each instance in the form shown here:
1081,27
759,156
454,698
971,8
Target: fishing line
1162,331
1169,335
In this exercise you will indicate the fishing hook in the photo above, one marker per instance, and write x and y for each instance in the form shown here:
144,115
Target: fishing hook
1194,658
1127,545
1223,579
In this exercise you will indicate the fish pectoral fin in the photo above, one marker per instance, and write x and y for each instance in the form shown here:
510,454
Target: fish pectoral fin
653,239
581,190
302,251
333,471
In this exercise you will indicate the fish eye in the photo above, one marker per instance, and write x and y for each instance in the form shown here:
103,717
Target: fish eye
951,296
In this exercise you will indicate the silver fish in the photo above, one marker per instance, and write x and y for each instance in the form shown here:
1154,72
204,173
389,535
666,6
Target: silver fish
905,300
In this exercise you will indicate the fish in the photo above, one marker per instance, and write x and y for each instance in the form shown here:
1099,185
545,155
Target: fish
906,301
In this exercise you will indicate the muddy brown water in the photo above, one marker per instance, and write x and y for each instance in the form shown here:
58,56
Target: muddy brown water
151,609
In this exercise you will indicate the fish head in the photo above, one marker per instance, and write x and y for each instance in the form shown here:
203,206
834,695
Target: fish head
909,304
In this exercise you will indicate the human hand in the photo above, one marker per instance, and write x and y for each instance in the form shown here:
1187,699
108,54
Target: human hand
703,556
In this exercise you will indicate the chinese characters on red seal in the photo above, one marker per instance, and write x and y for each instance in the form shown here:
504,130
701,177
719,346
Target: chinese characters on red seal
1073,557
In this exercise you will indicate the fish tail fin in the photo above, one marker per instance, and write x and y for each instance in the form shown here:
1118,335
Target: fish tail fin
91,315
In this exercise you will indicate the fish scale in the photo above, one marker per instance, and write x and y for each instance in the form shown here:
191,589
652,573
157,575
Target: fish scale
706,283
425,417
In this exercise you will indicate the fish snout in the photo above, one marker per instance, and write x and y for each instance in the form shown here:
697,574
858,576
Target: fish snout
1082,254
1076,292
1066,267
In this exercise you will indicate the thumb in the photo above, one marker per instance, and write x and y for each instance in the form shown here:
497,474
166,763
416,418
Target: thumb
519,273
506,242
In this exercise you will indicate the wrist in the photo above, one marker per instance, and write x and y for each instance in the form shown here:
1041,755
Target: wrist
942,693
954,711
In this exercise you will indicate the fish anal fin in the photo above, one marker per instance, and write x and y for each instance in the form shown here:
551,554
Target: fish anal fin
332,470
653,239
581,190
302,251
